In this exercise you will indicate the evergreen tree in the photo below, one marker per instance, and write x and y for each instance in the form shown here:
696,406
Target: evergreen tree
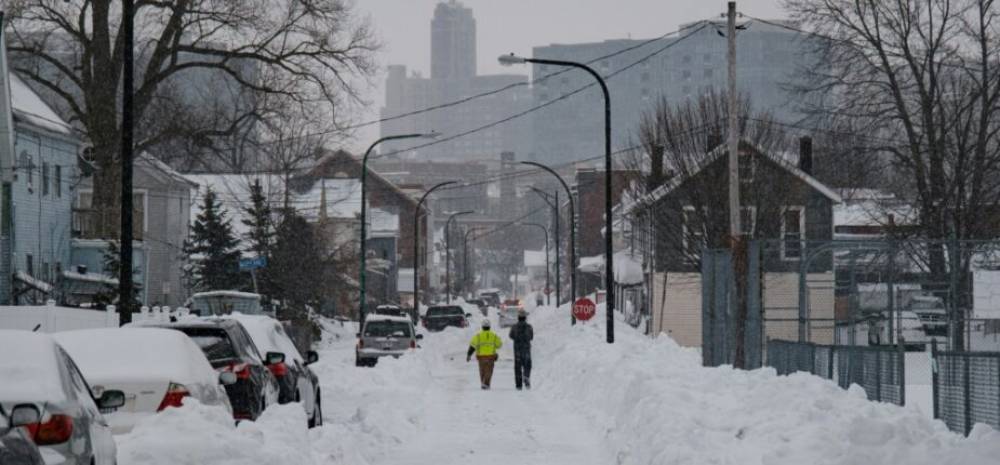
212,249
260,236
299,270
108,294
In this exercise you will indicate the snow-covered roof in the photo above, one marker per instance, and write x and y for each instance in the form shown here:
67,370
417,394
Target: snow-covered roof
158,167
234,294
343,199
31,109
378,317
383,222
139,354
32,281
721,151
404,281
628,270
534,258
98,278
30,358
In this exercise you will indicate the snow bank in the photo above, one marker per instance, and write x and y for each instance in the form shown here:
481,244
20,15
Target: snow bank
660,406
197,434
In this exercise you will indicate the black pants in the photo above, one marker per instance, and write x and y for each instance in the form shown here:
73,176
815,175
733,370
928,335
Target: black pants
522,368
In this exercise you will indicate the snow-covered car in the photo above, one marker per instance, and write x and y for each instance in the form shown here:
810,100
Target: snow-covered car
508,312
296,382
69,428
384,336
439,317
932,313
155,368
491,296
228,347
16,446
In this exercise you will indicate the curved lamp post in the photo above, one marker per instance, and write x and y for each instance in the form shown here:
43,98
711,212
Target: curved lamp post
416,245
609,277
555,239
572,231
447,252
364,210
546,231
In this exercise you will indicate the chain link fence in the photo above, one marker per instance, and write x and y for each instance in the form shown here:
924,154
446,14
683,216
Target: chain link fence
880,371
967,389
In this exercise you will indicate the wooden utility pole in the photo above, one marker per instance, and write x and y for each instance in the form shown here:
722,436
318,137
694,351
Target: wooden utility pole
733,141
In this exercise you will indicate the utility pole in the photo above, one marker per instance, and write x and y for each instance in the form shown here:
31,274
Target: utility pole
125,253
737,243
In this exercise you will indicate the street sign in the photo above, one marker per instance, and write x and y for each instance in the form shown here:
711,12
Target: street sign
247,264
584,309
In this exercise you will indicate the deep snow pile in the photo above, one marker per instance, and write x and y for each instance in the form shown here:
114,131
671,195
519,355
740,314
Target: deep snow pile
659,406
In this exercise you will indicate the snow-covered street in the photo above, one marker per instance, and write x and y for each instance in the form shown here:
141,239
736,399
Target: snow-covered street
640,401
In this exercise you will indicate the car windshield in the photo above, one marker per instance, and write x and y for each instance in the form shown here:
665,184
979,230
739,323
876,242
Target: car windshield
445,311
214,343
925,305
387,329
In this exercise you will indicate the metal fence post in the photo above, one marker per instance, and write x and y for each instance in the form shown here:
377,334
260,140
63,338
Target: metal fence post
878,375
934,379
966,394
901,371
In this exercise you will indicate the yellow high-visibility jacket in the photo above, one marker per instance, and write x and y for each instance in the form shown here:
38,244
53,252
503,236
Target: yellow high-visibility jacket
485,343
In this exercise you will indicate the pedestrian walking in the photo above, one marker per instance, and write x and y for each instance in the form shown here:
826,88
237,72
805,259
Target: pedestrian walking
522,333
485,345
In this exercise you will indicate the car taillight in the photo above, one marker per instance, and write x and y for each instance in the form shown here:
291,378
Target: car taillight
242,370
278,369
174,396
57,430
361,343
413,344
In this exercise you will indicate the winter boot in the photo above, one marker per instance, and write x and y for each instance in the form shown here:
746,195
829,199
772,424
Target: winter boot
527,384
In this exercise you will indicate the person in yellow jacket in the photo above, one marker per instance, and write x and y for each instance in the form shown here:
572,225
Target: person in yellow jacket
485,345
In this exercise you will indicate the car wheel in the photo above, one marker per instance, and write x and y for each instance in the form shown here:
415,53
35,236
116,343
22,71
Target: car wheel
317,416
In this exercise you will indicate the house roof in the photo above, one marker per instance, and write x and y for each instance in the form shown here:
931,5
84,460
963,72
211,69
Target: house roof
160,169
28,107
721,151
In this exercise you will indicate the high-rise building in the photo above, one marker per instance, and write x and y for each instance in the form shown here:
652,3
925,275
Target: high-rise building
453,42
678,67
453,77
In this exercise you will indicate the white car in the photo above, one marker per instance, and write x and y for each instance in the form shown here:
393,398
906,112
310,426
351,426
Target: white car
155,368
38,377
296,382
508,312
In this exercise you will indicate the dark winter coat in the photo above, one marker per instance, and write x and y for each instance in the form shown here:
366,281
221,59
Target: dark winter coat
522,333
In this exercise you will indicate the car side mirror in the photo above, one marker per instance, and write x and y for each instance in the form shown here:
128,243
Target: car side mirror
227,378
274,358
420,336
111,399
24,415
467,315
358,335
311,357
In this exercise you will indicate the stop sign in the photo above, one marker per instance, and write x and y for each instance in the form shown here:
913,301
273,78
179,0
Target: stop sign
584,309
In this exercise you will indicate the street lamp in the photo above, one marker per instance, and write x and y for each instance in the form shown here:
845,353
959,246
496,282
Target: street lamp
447,252
416,246
465,257
364,218
555,213
572,231
609,278
546,231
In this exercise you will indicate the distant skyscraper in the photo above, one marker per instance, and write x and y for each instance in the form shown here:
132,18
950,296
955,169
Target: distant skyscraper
453,42
768,57
453,77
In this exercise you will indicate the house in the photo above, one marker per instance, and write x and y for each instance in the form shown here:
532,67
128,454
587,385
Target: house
161,199
782,206
38,162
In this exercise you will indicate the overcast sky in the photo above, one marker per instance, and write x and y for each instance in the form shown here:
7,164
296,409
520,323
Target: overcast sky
505,26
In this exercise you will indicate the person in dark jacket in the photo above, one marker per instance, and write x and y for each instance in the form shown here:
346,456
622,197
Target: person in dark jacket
522,333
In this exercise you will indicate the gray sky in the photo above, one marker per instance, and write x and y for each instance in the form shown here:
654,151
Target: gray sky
505,26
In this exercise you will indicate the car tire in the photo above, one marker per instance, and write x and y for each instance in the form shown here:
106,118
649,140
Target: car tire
317,416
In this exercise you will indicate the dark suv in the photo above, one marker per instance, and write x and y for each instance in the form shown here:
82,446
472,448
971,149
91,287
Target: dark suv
228,347
440,317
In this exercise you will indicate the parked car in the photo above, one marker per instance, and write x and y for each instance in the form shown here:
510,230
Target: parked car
296,382
932,313
16,446
508,312
439,317
384,336
228,347
481,304
155,368
43,385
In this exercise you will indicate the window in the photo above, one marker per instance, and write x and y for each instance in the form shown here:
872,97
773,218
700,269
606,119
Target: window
686,59
45,178
58,181
792,232
692,231
27,165
707,57
748,220
29,264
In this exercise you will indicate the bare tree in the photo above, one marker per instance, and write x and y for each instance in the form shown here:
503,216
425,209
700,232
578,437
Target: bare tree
305,51
927,75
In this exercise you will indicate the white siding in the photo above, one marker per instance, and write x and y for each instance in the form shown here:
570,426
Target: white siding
677,307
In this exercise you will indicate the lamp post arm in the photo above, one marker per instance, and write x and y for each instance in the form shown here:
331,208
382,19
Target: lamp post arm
416,246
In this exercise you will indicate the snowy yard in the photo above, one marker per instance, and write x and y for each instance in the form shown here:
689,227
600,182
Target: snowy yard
639,401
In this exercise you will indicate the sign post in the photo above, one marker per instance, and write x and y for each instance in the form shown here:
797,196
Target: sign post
251,265
584,309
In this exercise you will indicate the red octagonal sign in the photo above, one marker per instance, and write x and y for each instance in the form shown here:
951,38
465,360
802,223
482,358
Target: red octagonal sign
584,309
